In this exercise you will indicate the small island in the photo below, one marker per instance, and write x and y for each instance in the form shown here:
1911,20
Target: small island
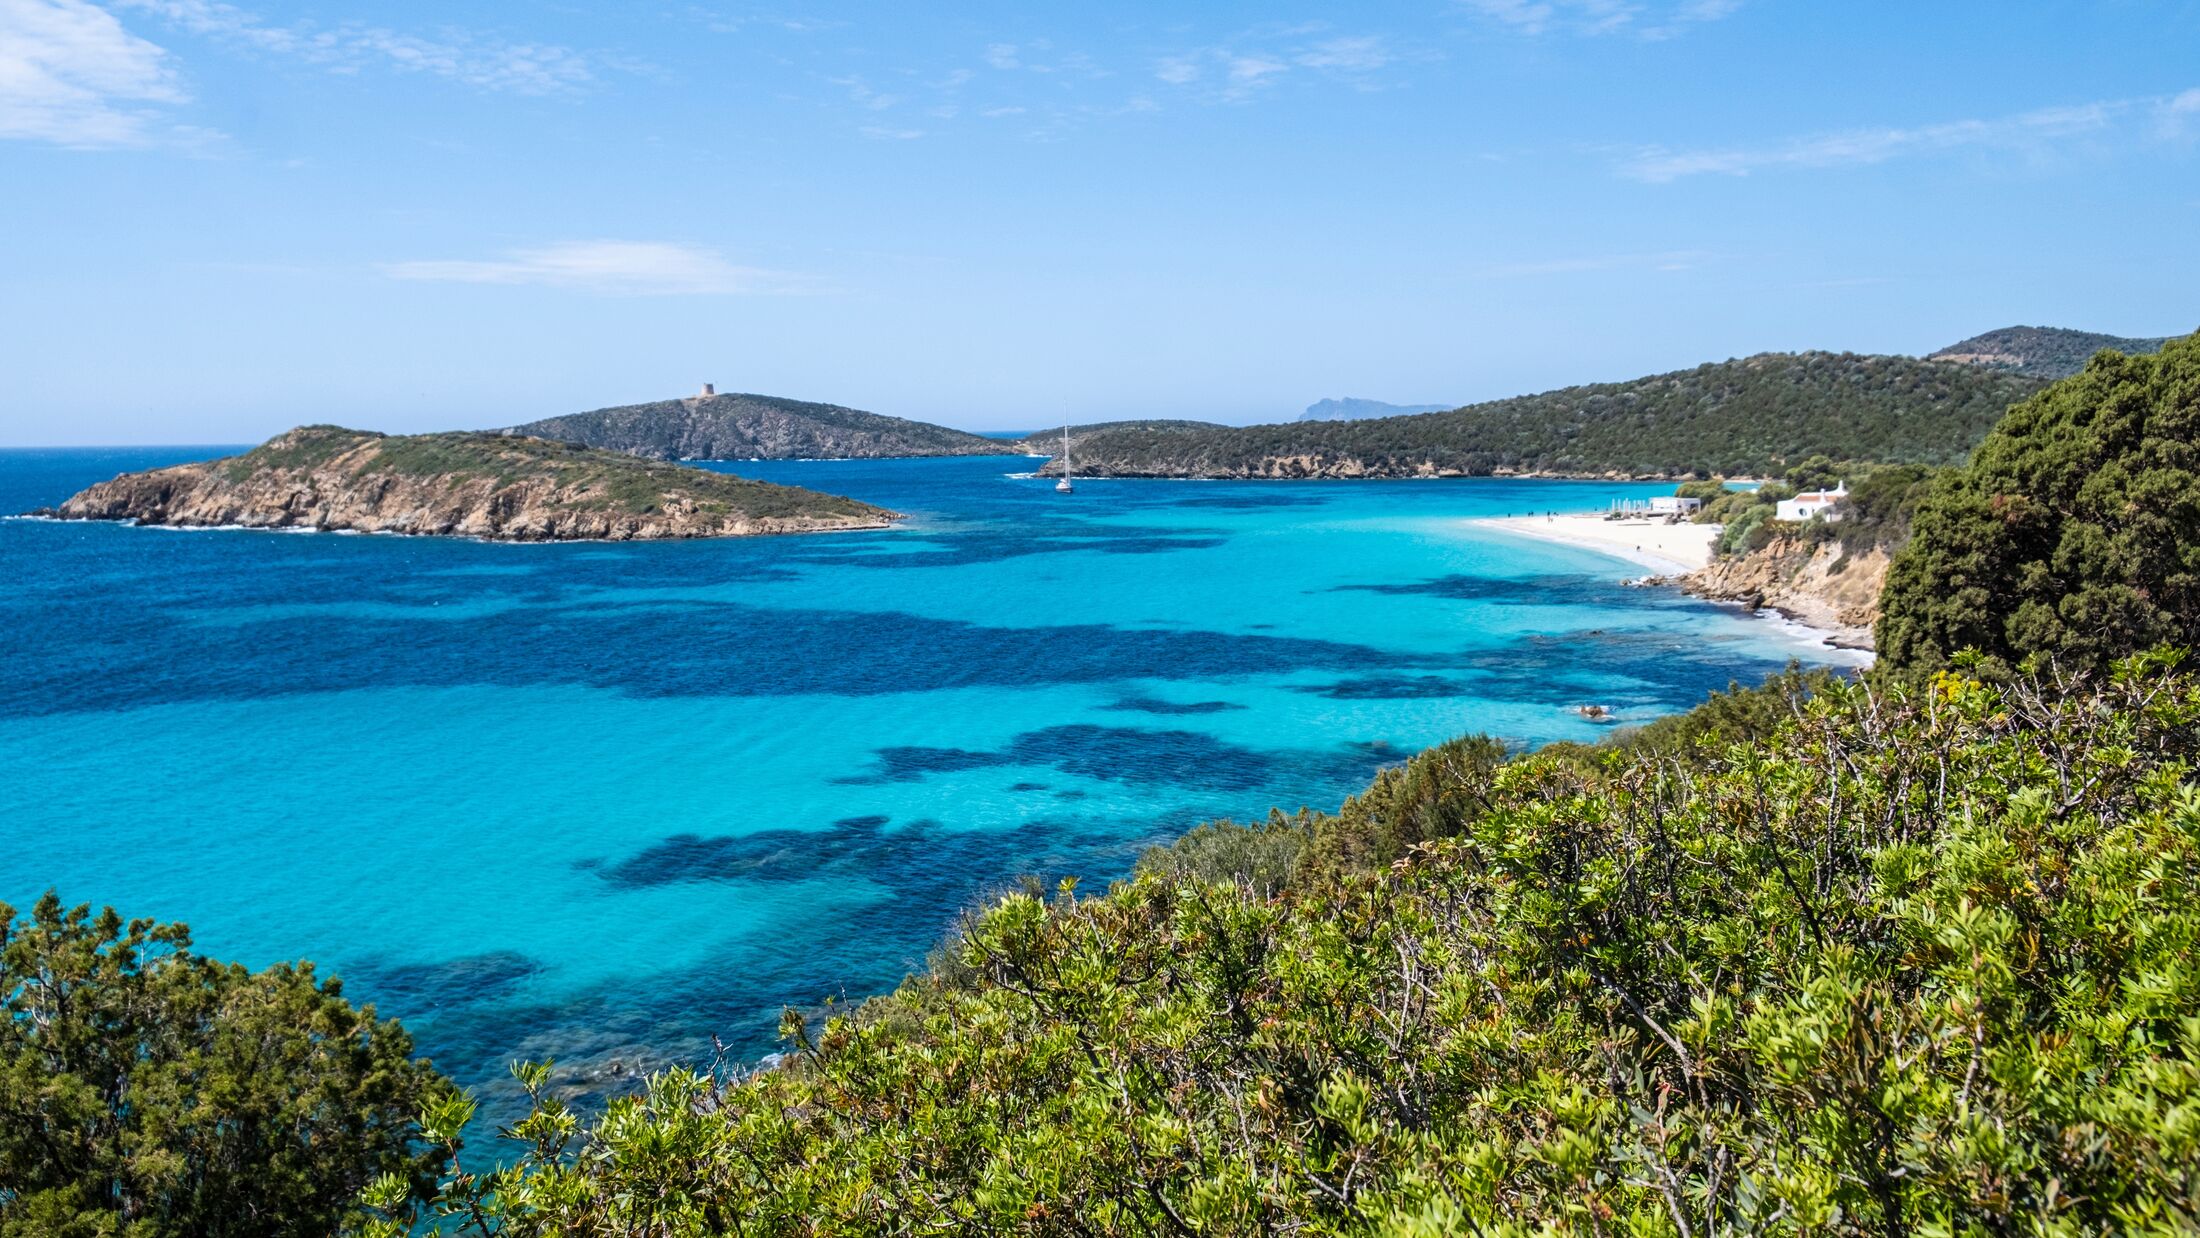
490,486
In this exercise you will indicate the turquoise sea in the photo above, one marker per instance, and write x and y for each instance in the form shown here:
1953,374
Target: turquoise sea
604,802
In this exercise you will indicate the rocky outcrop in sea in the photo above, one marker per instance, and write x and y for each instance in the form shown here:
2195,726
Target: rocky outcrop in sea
496,487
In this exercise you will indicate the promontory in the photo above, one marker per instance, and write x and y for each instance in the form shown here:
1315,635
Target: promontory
498,487
739,426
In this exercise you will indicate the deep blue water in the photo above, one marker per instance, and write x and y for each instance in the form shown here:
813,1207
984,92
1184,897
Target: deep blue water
603,802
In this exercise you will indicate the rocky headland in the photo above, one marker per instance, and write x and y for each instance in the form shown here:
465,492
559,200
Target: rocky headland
491,486
1817,583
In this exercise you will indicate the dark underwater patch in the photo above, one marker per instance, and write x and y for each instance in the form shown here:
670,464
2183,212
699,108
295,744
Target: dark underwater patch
1670,669
86,654
911,764
464,981
1138,756
1389,688
1516,590
1252,500
1132,755
1155,705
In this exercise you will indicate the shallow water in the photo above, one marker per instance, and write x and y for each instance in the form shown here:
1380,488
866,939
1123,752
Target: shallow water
603,802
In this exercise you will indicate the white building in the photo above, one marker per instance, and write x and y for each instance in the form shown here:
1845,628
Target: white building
1673,505
1813,504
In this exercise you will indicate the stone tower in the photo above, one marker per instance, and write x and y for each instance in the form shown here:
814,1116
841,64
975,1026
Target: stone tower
708,392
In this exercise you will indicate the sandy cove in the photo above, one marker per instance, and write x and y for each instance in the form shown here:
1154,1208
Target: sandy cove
1674,551
1666,549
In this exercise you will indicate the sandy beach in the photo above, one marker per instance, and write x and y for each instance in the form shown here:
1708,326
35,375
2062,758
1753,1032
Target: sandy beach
1665,549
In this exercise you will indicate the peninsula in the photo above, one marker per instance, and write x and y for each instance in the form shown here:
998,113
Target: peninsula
1750,417
740,426
497,487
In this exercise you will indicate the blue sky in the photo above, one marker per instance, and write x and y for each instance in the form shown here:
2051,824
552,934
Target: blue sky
220,220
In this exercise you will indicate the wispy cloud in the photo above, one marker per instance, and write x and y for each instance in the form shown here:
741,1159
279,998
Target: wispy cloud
71,75
619,268
2036,131
1356,54
1237,70
476,60
1641,18
1668,260
2177,116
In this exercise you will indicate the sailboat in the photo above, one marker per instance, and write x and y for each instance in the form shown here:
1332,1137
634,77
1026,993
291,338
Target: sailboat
1063,486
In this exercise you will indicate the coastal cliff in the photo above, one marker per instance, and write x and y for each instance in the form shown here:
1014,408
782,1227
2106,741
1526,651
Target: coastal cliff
1820,583
497,487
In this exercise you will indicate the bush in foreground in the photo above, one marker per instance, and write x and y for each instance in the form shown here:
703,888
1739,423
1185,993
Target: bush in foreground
148,1092
2073,533
1920,960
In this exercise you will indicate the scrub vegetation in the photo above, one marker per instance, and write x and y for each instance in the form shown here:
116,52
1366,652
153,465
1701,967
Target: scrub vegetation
1755,417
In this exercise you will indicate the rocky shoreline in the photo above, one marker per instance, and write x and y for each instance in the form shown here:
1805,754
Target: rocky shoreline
1817,584
490,487
1812,584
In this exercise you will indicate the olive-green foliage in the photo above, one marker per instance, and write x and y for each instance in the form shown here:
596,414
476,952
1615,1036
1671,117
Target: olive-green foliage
2044,352
1746,530
1880,506
744,426
1262,856
1431,796
1753,417
1882,498
1738,715
2073,533
1048,442
1729,505
147,1092
1922,960
1819,472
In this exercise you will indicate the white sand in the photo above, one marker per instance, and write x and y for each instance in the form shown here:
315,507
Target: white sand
1666,549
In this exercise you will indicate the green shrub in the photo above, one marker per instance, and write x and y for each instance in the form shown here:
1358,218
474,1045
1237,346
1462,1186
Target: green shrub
2073,533
147,1092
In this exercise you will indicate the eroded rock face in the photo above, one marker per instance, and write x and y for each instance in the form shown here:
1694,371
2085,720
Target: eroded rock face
1818,583
464,485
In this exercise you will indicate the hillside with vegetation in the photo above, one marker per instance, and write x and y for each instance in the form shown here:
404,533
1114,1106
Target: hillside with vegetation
1753,417
1049,442
2043,352
493,486
754,427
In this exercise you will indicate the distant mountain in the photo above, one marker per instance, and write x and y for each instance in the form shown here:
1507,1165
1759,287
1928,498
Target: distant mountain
1049,442
1352,408
464,484
2042,352
1757,415
754,427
